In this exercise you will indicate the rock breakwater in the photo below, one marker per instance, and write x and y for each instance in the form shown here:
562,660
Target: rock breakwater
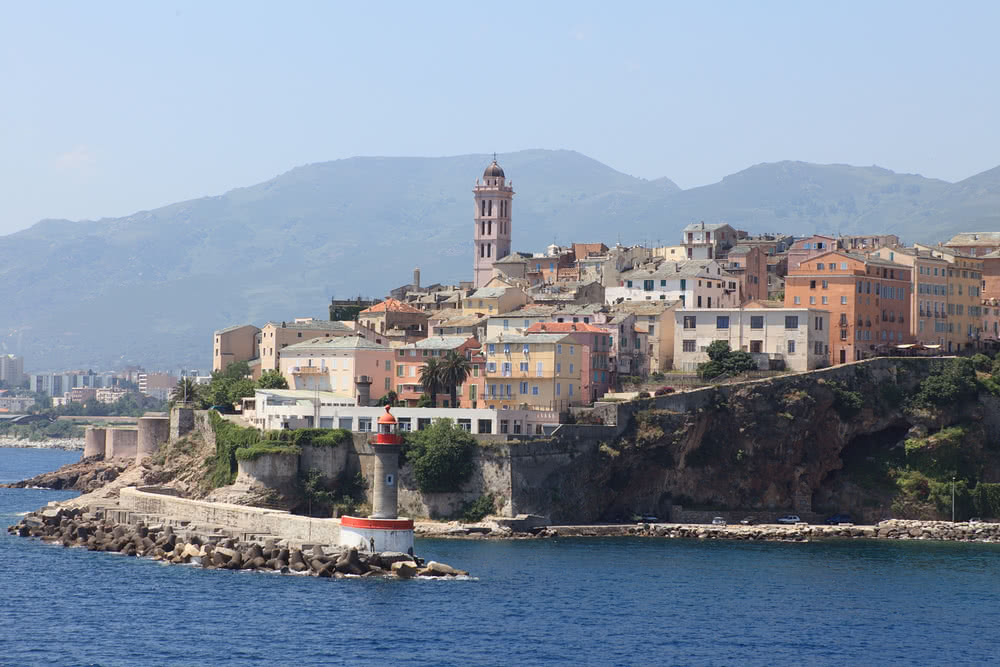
75,527
51,443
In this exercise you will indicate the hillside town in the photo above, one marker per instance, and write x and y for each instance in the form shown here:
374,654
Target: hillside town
535,335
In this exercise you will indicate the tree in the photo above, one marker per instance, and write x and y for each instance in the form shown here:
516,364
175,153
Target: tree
442,456
725,362
424,401
241,389
431,379
186,390
389,398
235,371
454,371
272,379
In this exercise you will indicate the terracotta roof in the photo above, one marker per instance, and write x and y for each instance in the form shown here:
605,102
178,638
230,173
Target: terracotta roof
562,327
392,305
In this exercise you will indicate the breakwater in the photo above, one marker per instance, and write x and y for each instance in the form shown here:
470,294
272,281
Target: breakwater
892,529
51,443
99,531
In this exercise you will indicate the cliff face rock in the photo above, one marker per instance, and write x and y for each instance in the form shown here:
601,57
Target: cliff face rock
767,446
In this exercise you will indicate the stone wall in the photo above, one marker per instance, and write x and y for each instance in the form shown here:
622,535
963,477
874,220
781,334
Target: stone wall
273,471
332,462
181,421
120,443
249,520
94,442
153,432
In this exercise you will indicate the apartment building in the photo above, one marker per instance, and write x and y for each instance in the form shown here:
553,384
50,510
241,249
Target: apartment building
778,338
965,295
276,336
974,244
536,372
748,264
810,246
696,284
708,241
392,314
411,358
498,297
233,344
156,385
869,300
654,329
929,306
341,366
594,337
11,370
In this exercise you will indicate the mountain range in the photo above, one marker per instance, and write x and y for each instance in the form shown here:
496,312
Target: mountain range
150,288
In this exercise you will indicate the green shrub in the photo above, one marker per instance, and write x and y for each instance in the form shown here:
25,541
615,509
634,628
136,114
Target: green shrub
847,403
478,509
986,499
981,362
228,438
266,448
442,456
941,454
956,382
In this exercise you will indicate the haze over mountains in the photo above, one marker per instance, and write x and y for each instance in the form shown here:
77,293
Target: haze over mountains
150,288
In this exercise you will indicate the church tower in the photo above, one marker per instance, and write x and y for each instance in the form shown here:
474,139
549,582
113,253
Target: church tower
492,222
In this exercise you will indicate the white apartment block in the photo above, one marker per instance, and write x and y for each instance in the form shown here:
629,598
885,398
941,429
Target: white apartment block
795,338
696,284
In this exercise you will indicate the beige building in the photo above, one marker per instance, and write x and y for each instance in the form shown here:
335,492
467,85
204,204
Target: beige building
536,372
778,338
275,336
929,307
654,319
497,298
11,370
965,294
393,314
232,344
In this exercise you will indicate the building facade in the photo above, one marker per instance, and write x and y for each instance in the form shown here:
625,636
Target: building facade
778,338
536,372
233,344
929,306
11,370
869,300
353,369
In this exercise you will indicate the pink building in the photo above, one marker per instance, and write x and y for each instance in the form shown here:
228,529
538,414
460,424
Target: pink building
339,365
809,247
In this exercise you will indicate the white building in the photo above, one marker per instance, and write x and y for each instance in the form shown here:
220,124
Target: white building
275,409
695,283
794,338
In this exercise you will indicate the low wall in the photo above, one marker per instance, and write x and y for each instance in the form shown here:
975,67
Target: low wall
239,518
153,432
121,443
94,442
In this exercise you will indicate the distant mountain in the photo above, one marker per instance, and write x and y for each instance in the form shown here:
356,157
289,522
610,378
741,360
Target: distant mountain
150,288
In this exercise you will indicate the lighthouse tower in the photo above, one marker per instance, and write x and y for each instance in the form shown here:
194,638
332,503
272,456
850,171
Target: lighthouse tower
383,530
491,237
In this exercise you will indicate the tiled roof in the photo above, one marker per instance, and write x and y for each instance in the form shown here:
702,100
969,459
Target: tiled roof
392,306
527,338
645,307
234,328
438,343
705,226
974,238
488,292
340,343
313,325
562,327
688,268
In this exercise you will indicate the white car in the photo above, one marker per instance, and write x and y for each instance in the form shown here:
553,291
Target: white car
790,518
718,521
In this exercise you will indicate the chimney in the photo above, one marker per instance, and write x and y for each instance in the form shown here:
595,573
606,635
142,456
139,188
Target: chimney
416,277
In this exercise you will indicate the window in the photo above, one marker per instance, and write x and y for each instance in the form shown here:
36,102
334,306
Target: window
843,266
506,368
797,300
791,347
523,388
485,425
690,321
843,300
819,266
688,346
504,425
819,324
812,301
388,384
818,347
843,334
558,389
524,350
539,369
571,369
491,349
506,324
791,322
465,425
722,322
826,284
558,367
756,321
524,367
558,348
400,370
534,390
825,300
571,350
506,348
405,424
491,367
756,346
365,424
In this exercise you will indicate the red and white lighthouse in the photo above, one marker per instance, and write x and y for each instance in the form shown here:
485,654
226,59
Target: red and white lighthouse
383,530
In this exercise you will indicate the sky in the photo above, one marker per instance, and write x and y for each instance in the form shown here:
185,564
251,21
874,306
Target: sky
111,108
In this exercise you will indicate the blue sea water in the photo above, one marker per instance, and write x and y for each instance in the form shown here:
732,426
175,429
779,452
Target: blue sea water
537,602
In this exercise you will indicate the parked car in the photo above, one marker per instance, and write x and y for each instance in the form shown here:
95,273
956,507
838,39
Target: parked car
718,521
663,391
748,521
649,518
839,518
789,518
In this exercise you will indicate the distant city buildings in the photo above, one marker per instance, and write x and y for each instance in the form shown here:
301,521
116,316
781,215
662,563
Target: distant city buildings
11,370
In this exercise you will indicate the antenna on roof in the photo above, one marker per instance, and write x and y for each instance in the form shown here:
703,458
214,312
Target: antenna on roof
494,156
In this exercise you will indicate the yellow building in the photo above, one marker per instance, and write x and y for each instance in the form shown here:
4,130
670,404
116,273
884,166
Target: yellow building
232,344
929,286
275,336
965,309
536,372
497,297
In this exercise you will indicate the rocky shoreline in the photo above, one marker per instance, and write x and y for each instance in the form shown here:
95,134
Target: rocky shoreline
51,443
892,529
75,527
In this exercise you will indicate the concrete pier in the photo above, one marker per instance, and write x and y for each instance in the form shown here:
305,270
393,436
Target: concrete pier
153,432
94,442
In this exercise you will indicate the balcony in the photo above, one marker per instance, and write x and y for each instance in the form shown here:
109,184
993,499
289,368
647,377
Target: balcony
308,370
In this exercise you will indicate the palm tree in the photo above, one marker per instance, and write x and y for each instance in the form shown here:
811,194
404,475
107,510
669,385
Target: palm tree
186,390
431,379
454,371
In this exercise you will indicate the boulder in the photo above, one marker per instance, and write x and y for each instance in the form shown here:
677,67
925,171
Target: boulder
350,563
190,551
442,570
404,569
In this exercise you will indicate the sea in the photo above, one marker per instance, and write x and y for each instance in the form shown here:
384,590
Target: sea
586,601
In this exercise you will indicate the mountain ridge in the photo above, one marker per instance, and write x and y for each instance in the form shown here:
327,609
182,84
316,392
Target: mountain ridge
150,287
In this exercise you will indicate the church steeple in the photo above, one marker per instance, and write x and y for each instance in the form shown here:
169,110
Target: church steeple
491,237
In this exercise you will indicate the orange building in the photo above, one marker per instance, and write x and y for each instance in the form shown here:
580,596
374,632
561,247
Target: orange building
869,300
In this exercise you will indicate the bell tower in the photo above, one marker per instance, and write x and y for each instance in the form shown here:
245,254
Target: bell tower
491,236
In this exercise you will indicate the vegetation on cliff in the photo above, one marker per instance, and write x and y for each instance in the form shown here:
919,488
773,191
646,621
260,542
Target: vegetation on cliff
725,362
442,456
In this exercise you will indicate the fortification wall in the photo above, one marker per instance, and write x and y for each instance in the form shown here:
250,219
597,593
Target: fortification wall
153,432
331,462
121,443
94,442
274,471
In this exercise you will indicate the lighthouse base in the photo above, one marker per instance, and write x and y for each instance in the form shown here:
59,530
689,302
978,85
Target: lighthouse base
377,535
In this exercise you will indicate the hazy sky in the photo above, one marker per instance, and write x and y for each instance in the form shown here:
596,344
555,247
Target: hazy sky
111,108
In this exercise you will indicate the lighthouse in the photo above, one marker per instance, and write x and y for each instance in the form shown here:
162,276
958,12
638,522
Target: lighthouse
383,530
